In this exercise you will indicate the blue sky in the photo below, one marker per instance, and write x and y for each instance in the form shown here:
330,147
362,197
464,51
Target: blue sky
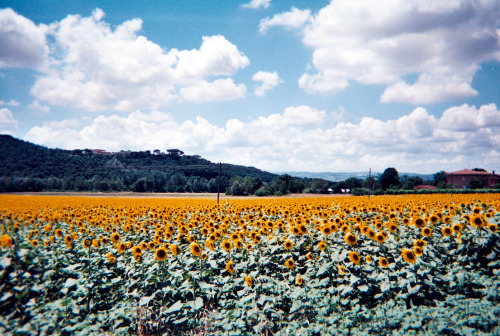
280,85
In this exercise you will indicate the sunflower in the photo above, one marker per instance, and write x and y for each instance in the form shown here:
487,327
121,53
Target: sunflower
295,230
161,254
380,237
143,246
226,245
341,269
151,245
493,228
309,256
434,219
303,229
418,251
209,244
229,267
368,259
121,247
136,251
68,239
382,262
409,256
426,232
104,240
248,280
326,229
115,237
174,249
289,263
249,246
419,222
477,222
321,245
420,243
112,259
58,232
350,239
392,227
34,242
299,281
288,245
87,243
457,228
195,249
238,244
354,258
447,231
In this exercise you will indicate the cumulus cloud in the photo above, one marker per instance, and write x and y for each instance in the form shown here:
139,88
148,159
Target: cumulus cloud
443,42
8,124
22,43
39,107
297,139
269,80
256,4
218,90
11,103
294,19
98,67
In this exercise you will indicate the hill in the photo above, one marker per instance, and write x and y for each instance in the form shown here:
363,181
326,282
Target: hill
30,167
342,176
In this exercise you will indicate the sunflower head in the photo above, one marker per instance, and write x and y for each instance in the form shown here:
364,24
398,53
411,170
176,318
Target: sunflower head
289,263
115,237
87,243
350,239
418,251
195,249
299,281
447,231
226,245
354,257
161,254
321,245
248,280
493,228
341,270
174,249
229,267
419,222
426,232
382,262
409,256
309,256
136,250
380,238
288,245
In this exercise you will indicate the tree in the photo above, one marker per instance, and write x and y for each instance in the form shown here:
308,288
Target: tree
476,184
410,182
389,178
440,179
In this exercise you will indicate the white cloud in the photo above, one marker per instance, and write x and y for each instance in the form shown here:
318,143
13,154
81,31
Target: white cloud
294,19
22,43
256,4
218,90
375,42
269,81
298,139
8,124
11,103
39,107
97,67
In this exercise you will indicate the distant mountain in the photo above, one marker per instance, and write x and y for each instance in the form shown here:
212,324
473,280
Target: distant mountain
342,176
26,166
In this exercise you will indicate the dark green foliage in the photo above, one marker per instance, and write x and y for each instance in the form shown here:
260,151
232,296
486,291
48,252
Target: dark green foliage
389,178
29,167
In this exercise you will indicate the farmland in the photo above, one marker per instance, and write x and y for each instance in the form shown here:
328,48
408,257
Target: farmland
395,265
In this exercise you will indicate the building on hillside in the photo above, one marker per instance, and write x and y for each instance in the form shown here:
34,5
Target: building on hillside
462,178
100,152
424,187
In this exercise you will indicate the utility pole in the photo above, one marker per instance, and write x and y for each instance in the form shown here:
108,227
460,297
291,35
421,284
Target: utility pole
218,183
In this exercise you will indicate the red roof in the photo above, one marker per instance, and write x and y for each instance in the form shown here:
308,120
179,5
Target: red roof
424,186
469,172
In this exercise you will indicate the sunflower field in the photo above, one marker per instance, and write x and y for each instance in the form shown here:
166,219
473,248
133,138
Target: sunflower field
388,265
